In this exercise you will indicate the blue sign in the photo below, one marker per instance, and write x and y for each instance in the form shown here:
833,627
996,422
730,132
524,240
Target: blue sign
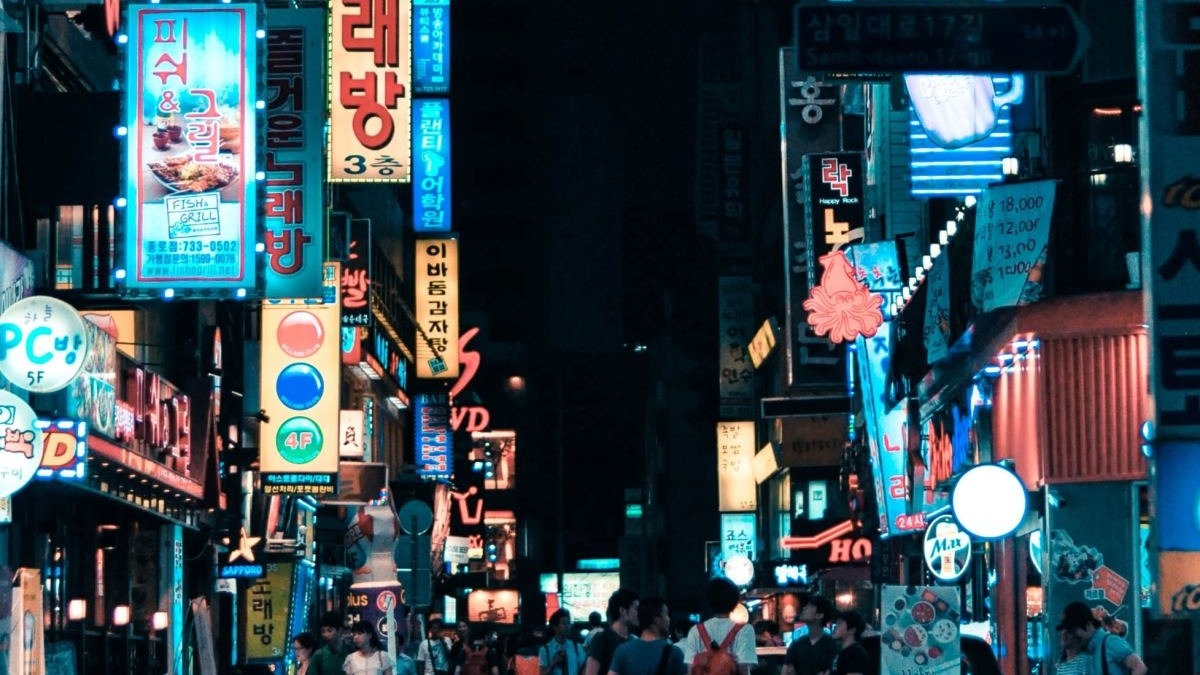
431,46
1177,496
960,131
886,434
241,571
431,165
434,437
294,238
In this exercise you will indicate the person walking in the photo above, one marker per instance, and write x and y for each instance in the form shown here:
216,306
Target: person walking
653,654
595,627
368,657
1109,654
433,654
852,658
812,653
561,655
1073,660
722,596
622,614
304,646
335,646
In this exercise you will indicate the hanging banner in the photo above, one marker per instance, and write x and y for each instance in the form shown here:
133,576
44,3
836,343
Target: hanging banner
431,165
1012,228
436,288
431,46
1169,143
26,638
300,394
920,630
370,59
190,223
936,330
736,489
735,323
294,234
886,436
266,605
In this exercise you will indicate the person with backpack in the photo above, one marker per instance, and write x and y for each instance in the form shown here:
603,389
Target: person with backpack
477,657
653,654
720,646
433,654
561,655
1110,654
622,616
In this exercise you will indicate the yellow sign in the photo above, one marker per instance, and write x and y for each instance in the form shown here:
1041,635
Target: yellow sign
301,359
267,606
370,109
764,342
736,489
436,289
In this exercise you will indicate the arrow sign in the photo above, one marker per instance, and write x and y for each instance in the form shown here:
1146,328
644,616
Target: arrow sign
938,38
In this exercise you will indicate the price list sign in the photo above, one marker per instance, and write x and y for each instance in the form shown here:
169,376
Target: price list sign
1012,228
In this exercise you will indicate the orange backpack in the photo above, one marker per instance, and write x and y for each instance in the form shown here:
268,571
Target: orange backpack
716,659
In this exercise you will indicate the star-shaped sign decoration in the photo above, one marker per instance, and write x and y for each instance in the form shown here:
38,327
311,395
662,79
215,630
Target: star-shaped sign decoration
245,547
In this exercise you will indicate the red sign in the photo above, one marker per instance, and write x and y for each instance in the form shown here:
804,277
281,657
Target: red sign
841,306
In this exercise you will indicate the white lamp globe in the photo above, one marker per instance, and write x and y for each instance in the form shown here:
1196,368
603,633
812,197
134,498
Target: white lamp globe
989,501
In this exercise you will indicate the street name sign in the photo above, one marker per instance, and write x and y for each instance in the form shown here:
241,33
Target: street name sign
938,38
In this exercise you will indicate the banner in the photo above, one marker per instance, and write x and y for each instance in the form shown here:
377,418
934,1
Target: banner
886,436
431,165
736,489
294,234
266,605
1012,228
1169,143
26,637
920,630
936,329
372,601
436,288
735,306
190,223
370,45
300,394
811,123
431,46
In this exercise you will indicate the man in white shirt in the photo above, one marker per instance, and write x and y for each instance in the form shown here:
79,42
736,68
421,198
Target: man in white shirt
723,597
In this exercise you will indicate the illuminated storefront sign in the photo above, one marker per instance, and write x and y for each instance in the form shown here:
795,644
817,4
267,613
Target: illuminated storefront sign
960,131
738,535
42,345
736,489
191,223
16,276
841,307
436,288
300,384
369,97
20,443
434,440
64,449
431,46
350,434
267,605
834,209
947,548
886,436
431,165
294,234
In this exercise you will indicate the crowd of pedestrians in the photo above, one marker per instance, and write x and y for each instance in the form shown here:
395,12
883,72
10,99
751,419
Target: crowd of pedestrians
636,637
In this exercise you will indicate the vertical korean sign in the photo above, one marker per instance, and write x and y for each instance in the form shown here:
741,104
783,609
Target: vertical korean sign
431,46
300,393
431,165
266,605
295,230
436,288
1170,145
736,489
370,58
190,222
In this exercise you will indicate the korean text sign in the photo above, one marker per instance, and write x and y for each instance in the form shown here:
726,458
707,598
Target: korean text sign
370,58
431,46
736,489
191,221
436,289
300,395
267,605
294,235
431,165
431,419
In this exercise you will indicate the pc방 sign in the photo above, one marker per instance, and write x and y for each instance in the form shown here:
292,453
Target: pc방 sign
42,345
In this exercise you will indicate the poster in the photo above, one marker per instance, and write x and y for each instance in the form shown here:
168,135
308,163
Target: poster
1012,229
919,630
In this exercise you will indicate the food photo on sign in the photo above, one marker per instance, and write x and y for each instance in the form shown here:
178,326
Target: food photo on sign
919,630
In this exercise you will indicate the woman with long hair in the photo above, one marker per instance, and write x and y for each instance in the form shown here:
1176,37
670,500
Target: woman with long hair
368,658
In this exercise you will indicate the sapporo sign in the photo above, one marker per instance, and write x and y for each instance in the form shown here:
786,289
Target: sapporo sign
938,38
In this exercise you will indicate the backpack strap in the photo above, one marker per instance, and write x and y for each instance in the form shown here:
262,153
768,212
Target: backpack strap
704,637
1104,654
731,634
